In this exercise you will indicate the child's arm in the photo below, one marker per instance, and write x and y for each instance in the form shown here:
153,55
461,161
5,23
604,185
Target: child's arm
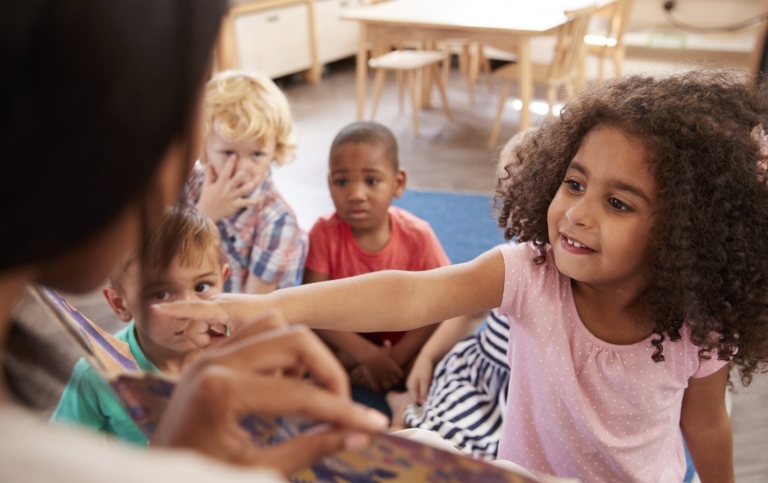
447,335
381,301
707,427
389,300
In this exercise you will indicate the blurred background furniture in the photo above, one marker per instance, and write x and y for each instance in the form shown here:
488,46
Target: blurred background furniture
607,38
561,71
412,63
505,25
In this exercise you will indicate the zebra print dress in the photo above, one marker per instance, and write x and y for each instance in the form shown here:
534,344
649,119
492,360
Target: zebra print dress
468,394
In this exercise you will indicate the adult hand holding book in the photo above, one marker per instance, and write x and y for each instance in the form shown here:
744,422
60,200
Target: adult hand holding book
260,370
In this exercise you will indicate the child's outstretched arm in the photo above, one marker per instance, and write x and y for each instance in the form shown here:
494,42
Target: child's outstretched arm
394,300
381,301
707,427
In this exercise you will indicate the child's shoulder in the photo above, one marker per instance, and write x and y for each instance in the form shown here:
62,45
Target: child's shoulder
407,221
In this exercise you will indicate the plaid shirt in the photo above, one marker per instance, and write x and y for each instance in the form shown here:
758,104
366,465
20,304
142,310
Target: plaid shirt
263,240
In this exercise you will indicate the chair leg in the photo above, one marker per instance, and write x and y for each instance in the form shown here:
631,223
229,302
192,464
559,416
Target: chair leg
414,86
400,89
377,85
468,72
618,60
446,64
441,90
485,66
551,99
569,90
505,88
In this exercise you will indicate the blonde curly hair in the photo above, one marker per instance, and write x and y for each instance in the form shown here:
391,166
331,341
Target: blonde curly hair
246,106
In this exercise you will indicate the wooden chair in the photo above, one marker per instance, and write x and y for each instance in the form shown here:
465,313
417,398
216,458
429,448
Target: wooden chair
562,71
471,62
611,41
412,63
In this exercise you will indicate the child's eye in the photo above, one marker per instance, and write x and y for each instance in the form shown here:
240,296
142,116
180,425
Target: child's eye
340,182
619,205
203,287
574,186
161,295
372,181
228,153
258,154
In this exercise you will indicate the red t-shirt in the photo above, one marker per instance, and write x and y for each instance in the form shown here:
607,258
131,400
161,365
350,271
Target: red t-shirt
412,246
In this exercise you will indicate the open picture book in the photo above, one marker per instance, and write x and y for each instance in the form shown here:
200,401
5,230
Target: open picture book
389,457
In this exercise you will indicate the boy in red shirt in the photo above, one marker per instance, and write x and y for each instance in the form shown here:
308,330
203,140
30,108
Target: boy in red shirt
367,234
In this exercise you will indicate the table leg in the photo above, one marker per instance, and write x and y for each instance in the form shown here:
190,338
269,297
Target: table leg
526,82
362,69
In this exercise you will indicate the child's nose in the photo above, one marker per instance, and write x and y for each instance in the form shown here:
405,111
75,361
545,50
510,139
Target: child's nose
356,191
580,212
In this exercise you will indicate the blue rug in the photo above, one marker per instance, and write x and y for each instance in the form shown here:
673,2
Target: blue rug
463,223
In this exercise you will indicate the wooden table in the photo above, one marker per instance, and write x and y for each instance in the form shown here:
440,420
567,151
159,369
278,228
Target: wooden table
505,24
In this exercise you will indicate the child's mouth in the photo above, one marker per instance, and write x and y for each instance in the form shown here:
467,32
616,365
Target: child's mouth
574,246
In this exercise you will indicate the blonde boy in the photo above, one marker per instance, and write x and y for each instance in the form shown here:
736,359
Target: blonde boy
181,260
248,128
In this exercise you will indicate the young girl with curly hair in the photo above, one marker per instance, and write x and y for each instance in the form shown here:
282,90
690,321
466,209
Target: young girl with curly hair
641,276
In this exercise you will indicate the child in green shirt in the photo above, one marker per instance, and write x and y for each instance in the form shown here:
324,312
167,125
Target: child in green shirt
182,259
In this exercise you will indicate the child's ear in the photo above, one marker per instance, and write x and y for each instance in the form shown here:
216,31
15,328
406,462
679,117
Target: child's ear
117,302
400,179
225,271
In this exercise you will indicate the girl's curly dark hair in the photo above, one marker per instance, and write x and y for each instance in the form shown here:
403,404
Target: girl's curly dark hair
710,237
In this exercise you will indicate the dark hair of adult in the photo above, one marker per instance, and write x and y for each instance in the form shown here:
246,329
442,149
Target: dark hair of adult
709,244
371,133
88,105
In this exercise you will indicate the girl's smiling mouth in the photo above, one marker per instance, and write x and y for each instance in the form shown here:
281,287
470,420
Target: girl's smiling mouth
574,246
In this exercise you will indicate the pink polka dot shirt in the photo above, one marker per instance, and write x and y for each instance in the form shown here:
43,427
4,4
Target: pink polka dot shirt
579,406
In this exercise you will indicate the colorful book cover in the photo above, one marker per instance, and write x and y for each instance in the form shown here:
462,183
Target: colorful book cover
389,458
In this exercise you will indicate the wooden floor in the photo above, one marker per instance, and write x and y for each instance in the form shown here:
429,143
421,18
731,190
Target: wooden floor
448,155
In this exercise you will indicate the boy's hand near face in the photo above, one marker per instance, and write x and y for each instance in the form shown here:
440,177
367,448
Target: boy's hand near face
224,194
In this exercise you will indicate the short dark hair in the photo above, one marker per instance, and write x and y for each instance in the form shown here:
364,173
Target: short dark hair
92,94
710,243
372,133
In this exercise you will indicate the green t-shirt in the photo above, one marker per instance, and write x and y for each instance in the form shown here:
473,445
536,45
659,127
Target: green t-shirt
89,401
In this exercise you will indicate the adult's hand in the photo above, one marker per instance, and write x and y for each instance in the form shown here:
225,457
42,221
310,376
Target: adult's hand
260,370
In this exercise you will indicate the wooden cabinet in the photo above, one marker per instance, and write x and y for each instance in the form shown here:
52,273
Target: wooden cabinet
281,37
275,41
336,38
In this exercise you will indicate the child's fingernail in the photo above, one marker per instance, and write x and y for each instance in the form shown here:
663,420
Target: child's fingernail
378,418
356,441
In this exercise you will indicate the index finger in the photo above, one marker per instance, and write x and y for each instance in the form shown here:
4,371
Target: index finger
213,311
229,166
